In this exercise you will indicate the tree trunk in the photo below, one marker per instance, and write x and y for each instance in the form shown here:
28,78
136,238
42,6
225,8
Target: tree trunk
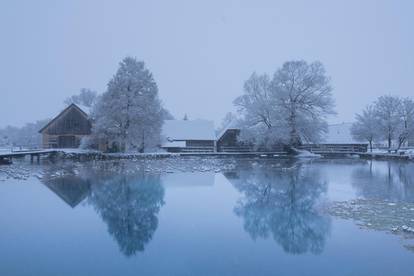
389,142
294,136
370,145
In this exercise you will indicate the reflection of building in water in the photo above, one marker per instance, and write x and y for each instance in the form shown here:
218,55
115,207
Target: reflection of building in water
127,202
195,179
279,203
71,189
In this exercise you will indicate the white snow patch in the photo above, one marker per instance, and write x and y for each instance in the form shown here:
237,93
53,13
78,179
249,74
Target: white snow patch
306,154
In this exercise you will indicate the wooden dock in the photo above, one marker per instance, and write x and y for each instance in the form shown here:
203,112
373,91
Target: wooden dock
19,154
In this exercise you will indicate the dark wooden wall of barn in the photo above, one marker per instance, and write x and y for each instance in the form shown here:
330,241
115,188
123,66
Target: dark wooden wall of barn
72,122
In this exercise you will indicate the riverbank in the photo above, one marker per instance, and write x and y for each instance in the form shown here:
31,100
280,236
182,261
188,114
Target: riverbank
387,156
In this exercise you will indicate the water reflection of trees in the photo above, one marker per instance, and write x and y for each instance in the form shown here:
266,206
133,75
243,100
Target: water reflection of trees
129,206
127,202
280,203
385,180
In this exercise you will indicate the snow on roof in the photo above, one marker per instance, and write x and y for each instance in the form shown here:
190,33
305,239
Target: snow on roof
339,134
72,105
188,130
174,144
85,108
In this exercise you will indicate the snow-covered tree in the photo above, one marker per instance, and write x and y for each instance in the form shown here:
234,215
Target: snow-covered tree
388,112
261,120
86,97
406,130
130,113
303,92
365,127
291,108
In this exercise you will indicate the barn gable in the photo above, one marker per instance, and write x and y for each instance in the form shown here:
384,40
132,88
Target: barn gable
71,120
67,129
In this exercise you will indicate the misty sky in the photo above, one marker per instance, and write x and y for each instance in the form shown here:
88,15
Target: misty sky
200,52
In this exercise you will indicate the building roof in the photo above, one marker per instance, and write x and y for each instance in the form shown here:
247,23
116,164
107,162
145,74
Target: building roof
173,144
188,130
339,134
63,113
232,125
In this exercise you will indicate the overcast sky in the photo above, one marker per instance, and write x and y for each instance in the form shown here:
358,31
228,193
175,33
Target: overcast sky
200,52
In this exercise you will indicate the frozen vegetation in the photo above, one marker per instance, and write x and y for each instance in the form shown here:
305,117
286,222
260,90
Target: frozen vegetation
382,215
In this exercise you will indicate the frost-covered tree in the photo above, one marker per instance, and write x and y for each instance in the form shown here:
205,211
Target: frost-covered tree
406,130
130,113
303,93
261,120
388,111
291,108
365,127
86,97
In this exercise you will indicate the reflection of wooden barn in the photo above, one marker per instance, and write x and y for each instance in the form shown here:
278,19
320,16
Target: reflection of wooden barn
71,189
67,129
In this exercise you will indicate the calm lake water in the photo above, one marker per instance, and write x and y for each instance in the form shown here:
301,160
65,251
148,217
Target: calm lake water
255,217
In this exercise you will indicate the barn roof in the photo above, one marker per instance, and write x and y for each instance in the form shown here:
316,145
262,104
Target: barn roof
61,114
188,130
232,125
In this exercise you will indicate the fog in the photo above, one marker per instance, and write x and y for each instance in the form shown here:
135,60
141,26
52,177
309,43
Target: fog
199,52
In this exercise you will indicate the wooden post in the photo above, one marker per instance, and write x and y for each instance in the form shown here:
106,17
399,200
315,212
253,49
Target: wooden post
31,158
38,158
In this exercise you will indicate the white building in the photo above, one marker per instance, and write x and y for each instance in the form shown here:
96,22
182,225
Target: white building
188,136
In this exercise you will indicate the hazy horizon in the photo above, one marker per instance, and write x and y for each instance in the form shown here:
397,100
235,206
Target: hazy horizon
200,53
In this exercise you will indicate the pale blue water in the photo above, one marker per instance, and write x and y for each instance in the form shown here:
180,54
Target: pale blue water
260,218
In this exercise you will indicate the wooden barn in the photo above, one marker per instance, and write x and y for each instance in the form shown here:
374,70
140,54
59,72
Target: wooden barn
338,139
67,129
227,141
188,136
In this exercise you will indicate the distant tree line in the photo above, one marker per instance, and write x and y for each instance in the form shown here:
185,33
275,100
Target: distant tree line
389,119
25,136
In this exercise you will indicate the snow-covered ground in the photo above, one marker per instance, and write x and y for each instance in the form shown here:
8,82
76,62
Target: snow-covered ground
23,170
